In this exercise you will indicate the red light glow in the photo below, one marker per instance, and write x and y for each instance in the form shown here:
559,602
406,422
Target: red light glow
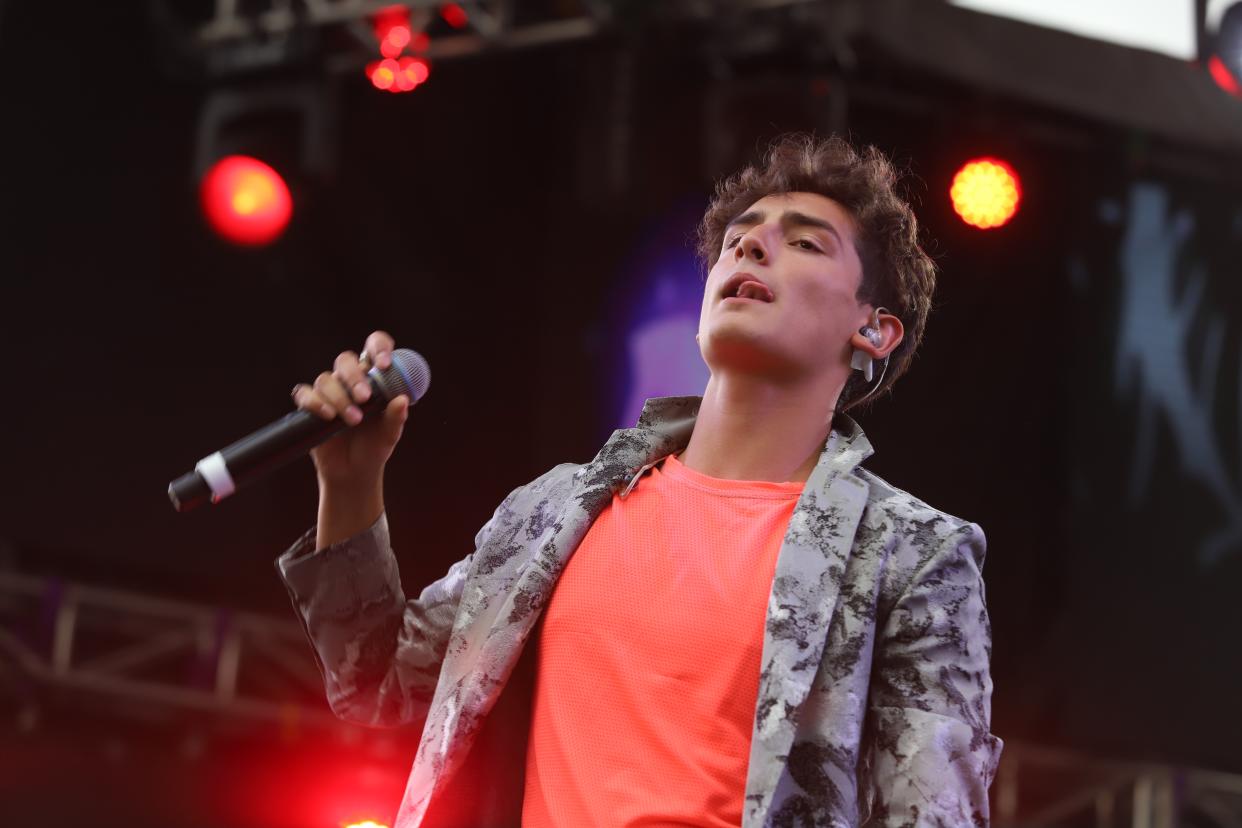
416,69
310,786
1223,77
245,201
398,75
392,30
384,74
985,193
454,15
398,36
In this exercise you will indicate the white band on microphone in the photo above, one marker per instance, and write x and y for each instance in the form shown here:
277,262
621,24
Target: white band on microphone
214,470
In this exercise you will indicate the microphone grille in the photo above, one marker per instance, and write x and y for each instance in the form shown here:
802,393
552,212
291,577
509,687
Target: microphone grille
409,374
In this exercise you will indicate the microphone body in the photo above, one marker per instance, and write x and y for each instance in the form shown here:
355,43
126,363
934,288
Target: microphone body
218,475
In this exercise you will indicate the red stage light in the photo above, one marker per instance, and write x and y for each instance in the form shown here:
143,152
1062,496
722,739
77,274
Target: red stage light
245,200
405,81
454,15
416,69
1223,77
392,30
395,41
985,193
398,36
384,73
398,76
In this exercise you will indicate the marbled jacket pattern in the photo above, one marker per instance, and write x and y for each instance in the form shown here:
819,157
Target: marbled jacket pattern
875,693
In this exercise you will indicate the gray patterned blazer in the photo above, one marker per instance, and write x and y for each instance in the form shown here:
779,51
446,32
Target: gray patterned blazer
875,693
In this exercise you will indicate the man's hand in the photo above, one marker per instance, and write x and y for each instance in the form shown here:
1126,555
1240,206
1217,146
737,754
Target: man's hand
350,466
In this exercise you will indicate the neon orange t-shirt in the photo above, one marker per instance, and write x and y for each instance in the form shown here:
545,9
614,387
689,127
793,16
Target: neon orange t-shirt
648,664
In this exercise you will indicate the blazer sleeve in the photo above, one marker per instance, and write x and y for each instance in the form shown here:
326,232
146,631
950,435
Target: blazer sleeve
930,756
379,653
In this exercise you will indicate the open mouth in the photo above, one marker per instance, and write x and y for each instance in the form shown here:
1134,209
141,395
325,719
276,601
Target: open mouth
746,286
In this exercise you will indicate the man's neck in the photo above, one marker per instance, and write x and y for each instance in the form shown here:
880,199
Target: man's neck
749,428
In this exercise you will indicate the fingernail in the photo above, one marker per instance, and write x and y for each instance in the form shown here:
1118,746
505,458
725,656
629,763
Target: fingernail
362,391
353,415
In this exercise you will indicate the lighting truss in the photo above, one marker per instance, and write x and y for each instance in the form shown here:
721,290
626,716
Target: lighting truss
281,17
171,655
240,37
1072,790
158,653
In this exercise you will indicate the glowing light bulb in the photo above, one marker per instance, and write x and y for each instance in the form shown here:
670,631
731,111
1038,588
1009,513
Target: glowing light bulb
985,193
245,201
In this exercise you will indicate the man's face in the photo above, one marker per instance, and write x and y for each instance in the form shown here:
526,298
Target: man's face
780,301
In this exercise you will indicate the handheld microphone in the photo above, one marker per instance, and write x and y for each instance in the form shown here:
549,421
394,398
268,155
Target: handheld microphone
218,475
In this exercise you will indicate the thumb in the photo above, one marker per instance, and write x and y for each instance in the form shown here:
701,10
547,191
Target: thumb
395,415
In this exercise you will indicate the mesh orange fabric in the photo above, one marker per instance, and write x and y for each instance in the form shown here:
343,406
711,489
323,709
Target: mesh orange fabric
648,665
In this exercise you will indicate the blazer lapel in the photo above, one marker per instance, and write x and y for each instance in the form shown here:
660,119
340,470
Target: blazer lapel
663,428
804,594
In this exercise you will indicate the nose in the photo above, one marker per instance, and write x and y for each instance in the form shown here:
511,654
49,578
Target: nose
751,247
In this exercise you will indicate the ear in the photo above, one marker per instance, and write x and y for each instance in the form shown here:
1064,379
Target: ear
891,334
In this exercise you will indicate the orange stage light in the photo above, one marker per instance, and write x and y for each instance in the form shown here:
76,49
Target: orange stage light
985,193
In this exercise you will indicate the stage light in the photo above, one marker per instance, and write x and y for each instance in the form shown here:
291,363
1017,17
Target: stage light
398,75
366,824
1222,44
1223,77
395,41
454,15
392,30
416,69
383,73
985,193
245,201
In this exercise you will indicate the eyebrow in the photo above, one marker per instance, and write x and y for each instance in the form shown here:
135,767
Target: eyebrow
790,218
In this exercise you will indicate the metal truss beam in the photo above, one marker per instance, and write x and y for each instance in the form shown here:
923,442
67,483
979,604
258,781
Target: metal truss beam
1112,794
158,652
245,37
281,17
174,655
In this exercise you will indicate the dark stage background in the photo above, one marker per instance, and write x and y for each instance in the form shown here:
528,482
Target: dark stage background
1077,394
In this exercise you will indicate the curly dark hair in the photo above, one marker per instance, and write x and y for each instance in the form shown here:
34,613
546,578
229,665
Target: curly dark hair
896,273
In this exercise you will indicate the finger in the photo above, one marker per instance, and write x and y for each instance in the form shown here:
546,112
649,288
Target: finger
379,346
305,398
330,388
352,375
395,415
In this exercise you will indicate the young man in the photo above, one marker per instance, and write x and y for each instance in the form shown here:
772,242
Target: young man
722,619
